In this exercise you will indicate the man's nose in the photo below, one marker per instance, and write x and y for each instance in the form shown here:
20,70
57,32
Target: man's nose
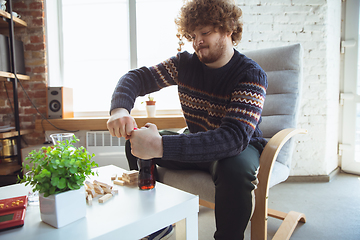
198,41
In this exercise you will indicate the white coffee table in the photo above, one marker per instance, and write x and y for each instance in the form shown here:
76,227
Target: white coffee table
130,215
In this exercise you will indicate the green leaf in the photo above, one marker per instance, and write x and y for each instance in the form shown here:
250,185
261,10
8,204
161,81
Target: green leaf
61,171
70,186
62,183
73,170
46,186
54,181
52,190
72,161
46,173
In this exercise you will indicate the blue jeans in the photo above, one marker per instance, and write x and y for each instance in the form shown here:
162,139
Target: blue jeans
235,180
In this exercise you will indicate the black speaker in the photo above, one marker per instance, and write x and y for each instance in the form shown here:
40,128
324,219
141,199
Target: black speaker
5,63
4,54
59,102
20,60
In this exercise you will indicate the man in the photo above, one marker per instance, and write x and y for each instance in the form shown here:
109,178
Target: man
222,93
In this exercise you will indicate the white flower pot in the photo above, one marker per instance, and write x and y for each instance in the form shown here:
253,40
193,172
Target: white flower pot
150,110
61,209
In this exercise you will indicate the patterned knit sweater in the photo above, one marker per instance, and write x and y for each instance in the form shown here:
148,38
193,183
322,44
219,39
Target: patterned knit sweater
222,106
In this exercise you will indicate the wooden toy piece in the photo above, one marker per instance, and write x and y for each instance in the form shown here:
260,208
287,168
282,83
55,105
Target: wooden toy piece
105,198
119,182
114,176
107,190
98,189
119,178
89,185
89,199
129,177
130,180
91,192
131,174
115,191
101,184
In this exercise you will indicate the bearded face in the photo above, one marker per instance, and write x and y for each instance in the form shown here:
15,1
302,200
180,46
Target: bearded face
211,52
209,44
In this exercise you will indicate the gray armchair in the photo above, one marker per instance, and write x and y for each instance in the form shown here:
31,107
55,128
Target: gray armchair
283,66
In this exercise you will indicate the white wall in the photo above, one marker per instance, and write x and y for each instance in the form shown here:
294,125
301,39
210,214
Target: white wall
316,25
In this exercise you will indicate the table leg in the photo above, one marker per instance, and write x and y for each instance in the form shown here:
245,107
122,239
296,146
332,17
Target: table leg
191,224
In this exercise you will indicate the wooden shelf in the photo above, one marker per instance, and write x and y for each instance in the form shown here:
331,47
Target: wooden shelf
18,22
9,24
14,133
9,168
5,75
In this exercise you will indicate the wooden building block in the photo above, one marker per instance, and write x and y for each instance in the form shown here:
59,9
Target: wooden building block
91,192
107,190
119,182
89,199
89,185
101,184
105,198
98,189
131,174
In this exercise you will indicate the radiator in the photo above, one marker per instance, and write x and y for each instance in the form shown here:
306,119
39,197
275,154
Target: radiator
108,149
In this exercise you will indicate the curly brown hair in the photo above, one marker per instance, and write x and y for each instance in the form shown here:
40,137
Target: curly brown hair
223,15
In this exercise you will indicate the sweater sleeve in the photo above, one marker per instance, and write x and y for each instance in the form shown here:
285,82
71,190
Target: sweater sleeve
235,131
142,81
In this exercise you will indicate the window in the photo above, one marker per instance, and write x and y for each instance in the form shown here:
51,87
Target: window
96,48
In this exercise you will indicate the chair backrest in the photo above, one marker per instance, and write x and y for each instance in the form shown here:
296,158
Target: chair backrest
283,66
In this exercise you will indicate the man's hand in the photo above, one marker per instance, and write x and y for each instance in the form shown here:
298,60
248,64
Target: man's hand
121,124
146,142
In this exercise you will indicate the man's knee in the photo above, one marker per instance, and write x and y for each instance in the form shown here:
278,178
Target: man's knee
240,170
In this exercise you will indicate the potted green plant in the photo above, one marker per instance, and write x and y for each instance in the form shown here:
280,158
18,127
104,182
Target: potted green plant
58,173
150,106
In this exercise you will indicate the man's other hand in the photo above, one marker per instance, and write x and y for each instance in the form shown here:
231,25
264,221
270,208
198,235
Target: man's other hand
146,142
120,123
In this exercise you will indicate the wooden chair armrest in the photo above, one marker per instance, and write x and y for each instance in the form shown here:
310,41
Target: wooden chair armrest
271,151
267,159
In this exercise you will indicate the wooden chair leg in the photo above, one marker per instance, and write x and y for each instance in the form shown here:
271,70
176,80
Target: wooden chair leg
290,221
287,227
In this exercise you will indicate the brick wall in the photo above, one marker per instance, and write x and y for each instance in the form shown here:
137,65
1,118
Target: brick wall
316,25
33,37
